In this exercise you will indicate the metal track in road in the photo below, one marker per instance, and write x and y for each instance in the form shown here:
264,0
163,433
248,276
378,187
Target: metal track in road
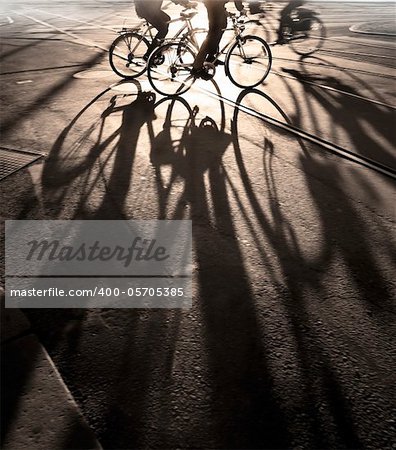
342,69
327,145
365,55
362,43
339,91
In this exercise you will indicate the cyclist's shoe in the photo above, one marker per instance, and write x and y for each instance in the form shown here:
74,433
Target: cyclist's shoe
213,60
201,73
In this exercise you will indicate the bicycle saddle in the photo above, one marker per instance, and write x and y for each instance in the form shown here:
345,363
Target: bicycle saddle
188,15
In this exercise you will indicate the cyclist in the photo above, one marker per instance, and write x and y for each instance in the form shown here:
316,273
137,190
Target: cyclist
151,10
284,15
285,18
217,16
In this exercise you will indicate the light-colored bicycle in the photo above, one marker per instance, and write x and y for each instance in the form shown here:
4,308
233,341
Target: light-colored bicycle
247,62
126,54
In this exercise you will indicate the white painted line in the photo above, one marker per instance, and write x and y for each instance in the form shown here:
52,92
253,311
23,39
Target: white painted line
74,36
24,81
90,24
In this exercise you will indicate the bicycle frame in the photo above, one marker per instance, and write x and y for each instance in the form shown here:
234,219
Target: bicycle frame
185,32
237,29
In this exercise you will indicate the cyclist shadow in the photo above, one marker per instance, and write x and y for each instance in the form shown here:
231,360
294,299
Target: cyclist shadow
198,151
72,178
134,115
78,162
245,413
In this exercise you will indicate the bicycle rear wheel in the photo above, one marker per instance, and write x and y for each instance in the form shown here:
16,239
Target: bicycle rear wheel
310,38
169,68
248,61
126,55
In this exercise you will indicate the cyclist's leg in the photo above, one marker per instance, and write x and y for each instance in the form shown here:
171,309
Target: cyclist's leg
160,20
217,22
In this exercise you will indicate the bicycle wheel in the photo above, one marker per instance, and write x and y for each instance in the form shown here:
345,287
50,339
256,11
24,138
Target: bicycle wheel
309,37
248,61
169,68
126,55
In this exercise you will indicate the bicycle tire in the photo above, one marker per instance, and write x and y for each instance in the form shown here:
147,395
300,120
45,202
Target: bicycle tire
120,55
251,45
305,47
169,68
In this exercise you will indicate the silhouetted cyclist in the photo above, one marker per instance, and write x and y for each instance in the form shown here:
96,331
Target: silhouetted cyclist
217,16
151,10
284,18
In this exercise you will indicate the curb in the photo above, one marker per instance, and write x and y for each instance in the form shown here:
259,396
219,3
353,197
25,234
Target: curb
38,410
354,29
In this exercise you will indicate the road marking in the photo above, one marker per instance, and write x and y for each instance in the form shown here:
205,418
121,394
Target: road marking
75,20
81,40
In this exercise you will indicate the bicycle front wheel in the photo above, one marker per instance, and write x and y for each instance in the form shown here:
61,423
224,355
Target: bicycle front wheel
310,38
169,69
248,61
126,55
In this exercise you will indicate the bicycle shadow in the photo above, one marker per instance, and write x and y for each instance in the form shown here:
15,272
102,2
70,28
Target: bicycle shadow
157,376
368,131
339,218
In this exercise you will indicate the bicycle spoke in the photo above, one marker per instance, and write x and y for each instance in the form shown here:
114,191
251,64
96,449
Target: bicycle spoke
172,76
248,62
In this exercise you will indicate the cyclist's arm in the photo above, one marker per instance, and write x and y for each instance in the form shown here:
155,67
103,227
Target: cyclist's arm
238,5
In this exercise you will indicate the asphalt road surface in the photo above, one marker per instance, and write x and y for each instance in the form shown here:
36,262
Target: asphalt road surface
290,339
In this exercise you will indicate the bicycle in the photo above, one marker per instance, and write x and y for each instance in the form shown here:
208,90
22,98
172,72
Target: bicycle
126,54
247,63
302,29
